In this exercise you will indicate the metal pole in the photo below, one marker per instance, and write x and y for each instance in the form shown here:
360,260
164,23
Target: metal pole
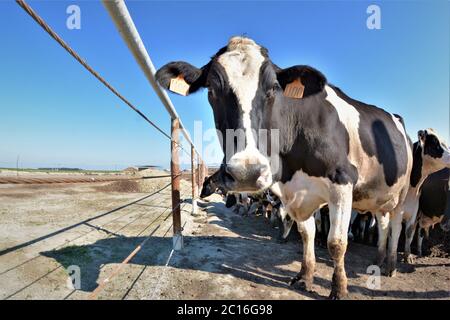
118,11
176,178
194,192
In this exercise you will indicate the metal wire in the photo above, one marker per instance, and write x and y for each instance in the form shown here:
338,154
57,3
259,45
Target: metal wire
117,270
58,39
65,244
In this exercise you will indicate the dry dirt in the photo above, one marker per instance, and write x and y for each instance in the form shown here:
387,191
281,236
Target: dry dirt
45,229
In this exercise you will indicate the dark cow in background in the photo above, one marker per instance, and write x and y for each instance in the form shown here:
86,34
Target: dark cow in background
434,205
430,154
331,149
211,185
266,202
361,229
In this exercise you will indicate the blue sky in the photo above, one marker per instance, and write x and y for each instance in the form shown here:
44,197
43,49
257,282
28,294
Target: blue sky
53,112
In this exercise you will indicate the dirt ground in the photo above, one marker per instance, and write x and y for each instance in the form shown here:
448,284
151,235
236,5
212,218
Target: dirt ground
47,229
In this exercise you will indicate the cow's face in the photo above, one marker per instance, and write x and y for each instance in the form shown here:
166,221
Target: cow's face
435,153
212,185
208,188
241,83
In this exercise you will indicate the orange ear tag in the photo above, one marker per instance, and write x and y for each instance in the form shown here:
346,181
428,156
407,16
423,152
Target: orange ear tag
178,85
294,89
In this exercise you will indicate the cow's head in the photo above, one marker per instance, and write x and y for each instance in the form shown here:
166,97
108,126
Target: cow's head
242,88
212,184
435,153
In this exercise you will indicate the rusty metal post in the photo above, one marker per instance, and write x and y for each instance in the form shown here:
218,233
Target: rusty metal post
176,178
194,192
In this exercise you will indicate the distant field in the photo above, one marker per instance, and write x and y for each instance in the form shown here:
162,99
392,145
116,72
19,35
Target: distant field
59,170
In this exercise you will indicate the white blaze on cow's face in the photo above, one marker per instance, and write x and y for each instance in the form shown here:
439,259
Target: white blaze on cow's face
242,64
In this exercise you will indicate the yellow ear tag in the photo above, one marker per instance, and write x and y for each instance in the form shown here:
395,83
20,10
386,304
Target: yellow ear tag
294,89
178,85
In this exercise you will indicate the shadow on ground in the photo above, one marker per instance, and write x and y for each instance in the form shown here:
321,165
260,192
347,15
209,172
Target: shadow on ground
243,247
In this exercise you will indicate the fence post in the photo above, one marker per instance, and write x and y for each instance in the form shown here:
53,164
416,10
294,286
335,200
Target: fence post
175,178
194,192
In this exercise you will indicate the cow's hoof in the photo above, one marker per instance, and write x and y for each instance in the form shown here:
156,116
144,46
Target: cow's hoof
390,272
409,259
294,280
334,295
303,285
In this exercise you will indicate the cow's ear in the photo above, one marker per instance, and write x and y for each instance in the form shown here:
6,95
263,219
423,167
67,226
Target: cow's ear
422,135
192,76
313,80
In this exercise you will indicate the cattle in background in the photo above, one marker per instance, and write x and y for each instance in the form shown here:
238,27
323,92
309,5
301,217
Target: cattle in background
243,203
361,227
430,154
331,149
211,185
274,211
230,200
267,202
364,228
434,205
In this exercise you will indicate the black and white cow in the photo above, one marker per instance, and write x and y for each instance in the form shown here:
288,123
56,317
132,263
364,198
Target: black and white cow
211,185
240,201
328,148
434,205
430,154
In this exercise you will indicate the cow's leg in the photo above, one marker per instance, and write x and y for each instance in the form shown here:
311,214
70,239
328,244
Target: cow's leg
371,230
325,228
307,231
273,217
423,233
340,205
253,208
353,217
410,229
420,236
383,231
396,229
